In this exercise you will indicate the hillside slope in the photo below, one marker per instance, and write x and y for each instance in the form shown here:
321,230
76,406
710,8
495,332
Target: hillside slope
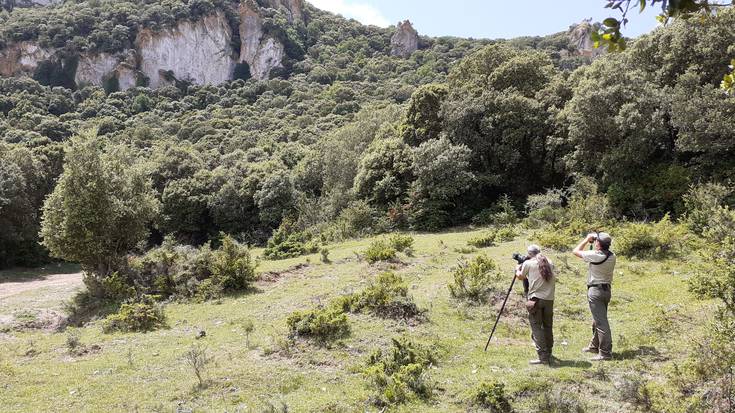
146,372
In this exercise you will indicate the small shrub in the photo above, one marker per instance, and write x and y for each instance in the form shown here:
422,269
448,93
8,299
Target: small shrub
142,316
387,296
286,242
484,240
73,341
247,327
402,374
232,267
380,250
474,280
555,239
661,239
400,242
559,402
325,255
501,213
546,208
208,290
701,204
634,390
491,395
359,218
198,359
323,324
506,234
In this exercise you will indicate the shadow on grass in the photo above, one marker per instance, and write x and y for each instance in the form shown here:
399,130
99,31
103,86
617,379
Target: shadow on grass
580,364
37,274
640,352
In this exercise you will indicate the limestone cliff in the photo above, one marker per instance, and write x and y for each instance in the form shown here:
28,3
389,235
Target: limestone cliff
293,8
196,52
260,52
95,69
405,41
22,58
199,52
581,40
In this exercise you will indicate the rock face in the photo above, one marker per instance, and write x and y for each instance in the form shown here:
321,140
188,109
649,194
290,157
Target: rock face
22,58
96,69
294,8
261,53
580,37
405,41
197,52
35,3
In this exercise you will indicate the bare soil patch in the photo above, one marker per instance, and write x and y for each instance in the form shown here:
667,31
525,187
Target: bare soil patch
9,289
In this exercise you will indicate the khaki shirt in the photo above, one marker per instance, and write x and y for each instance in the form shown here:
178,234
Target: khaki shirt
537,286
599,274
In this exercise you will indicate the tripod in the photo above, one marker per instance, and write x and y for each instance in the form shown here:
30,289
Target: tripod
512,283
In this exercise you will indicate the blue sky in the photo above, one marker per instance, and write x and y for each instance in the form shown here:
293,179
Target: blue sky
486,18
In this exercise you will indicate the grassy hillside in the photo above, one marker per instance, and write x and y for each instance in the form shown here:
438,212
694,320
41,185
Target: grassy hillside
146,372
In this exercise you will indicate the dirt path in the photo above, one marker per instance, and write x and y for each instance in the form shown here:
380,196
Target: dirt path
51,281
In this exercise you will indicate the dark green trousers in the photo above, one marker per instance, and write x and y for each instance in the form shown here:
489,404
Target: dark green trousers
542,328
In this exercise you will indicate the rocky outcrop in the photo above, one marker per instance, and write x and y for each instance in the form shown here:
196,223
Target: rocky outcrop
199,52
22,58
99,68
293,8
196,52
405,40
581,40
261,53
30,3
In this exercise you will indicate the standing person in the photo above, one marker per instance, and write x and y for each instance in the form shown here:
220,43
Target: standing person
539,272
601,263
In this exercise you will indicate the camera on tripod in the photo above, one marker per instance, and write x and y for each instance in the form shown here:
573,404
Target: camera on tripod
520,259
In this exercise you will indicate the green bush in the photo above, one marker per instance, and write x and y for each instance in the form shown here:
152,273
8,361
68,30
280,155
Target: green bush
142,316
555,239
484,240
506,234
402,374
400,242
491,395
546,208
380,250
501,213
324,253
559,402
232,268
289,243
387,296
701,204
208,290
660,239
475,280
322,324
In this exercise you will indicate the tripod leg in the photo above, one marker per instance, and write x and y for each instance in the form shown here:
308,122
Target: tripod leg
502,308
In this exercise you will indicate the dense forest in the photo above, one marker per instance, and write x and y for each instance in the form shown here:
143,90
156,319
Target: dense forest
347,139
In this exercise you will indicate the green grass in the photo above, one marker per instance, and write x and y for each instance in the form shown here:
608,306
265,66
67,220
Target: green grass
146,372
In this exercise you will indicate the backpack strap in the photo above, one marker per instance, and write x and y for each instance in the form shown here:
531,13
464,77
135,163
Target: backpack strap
608,254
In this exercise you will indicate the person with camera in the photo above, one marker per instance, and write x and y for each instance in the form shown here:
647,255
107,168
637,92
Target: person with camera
539,272
601,262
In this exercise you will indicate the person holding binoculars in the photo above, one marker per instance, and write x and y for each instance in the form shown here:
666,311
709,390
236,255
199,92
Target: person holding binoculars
601,263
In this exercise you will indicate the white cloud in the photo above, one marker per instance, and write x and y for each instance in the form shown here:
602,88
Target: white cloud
362,12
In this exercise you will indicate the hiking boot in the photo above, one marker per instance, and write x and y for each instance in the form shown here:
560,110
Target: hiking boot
589,349
600,358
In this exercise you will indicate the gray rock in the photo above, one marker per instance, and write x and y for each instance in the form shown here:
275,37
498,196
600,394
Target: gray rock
405,41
